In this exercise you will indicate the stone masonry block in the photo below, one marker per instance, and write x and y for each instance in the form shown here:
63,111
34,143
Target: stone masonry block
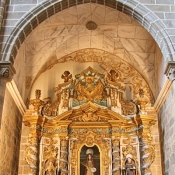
169,23
10,23
23,8
159,8
164,2
23,1
147,1
169,15
15,15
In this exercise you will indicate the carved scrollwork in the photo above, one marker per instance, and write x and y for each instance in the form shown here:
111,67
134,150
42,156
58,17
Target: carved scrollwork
32,153
89,89
49,109
129,108
50,161
89,117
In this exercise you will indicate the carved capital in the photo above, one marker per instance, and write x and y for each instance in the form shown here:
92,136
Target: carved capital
170,70
6,70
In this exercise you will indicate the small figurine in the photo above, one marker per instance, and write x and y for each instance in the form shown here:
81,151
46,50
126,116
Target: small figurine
66,76
37,103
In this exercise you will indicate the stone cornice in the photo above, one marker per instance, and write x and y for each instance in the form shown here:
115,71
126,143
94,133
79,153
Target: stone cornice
6,70
170,70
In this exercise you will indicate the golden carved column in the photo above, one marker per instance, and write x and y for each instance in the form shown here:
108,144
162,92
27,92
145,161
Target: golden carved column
32,149
34,121
148,153
73,155
64,156
32,153
115,156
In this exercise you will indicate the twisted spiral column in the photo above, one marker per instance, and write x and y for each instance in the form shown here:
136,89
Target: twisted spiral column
148,153
32,154
64,156
115,157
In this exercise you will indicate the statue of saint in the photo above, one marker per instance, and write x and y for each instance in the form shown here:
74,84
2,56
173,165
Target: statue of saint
130,168
51,166
89,164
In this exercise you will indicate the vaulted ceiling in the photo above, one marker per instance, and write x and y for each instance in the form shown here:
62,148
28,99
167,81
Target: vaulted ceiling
67,32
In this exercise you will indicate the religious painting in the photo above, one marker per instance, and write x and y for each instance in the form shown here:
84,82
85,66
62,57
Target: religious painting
89,161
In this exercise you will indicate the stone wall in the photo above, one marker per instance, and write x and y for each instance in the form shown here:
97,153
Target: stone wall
167,132
23,165
156,168
10,135
2,92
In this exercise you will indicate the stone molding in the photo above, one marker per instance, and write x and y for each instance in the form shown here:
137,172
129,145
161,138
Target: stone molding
170,70
170,73
162,95
12,88
6,70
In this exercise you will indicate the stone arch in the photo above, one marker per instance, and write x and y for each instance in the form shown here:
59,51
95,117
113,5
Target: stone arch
133,9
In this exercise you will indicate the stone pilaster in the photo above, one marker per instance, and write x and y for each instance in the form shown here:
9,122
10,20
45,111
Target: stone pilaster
6,73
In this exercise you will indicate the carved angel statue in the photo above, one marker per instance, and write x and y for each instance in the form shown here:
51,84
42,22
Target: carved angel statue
51,166
66,76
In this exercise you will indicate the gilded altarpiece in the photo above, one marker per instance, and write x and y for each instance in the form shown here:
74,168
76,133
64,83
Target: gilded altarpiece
92,128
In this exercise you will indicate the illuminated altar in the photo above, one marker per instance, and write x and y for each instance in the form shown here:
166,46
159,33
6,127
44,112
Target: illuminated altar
101,115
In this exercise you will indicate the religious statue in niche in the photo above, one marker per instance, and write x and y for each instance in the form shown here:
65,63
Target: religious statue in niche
90,161
130,168
51,166
50,159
